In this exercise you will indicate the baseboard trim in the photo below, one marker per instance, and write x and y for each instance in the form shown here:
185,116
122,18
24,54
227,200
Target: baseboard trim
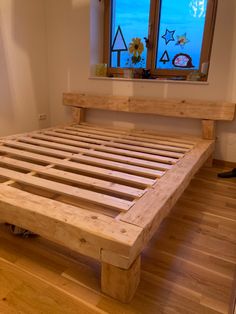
222,163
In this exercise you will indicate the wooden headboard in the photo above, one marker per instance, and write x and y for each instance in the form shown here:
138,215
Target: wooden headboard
207,111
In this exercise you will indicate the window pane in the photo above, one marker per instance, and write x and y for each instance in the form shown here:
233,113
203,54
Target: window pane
181,34
130,21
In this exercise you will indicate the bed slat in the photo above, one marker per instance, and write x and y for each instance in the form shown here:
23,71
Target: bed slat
94,197
145,133
74,178
138,146
128,178
58,139
146,172
82,135
129,150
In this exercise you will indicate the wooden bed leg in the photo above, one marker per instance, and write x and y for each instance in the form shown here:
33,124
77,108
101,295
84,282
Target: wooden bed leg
209,133
118,283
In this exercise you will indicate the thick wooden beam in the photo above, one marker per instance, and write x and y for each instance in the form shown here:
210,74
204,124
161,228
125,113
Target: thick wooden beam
155,205
181,108
208,129
118,283
79,229
79,115
209,133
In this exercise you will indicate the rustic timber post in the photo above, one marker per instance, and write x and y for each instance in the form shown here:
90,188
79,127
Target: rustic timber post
209,133
119,283
79,115
208,129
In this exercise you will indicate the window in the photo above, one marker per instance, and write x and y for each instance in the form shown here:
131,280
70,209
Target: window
171,38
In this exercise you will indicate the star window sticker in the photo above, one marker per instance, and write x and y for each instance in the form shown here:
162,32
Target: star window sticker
182,40
168,36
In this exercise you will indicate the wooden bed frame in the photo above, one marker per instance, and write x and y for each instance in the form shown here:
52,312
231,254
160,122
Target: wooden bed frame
103,192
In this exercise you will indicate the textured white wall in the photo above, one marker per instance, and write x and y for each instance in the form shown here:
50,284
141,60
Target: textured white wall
23,72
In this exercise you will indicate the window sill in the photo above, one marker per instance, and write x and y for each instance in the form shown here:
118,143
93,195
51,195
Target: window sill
121,79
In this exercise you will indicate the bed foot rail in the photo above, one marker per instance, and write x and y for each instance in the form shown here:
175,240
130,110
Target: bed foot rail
119,283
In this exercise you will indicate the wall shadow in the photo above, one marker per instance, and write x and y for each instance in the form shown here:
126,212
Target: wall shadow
6,93
29,35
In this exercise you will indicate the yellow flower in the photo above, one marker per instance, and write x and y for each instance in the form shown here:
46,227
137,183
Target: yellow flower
136,47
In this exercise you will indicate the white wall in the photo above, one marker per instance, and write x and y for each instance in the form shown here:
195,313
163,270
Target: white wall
23,66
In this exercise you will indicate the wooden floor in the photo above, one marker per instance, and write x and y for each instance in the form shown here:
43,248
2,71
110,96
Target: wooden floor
188,267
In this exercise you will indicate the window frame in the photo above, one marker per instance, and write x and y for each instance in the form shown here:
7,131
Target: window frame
154,19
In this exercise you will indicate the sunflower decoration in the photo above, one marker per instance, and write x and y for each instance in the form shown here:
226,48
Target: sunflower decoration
136,48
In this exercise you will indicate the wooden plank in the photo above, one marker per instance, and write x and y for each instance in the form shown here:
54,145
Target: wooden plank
207,226
28,155
182,108
58,139
199,239
218,187
136,170
213,289
146,172
150,210
185,252
38,149
55,139
155,136
215,204
164,146
89,196
130,160
118,158
83,134
113,141
76,228
23,291
101,127
74,149
221,224
161,140
106,173
97,131
59,133
86,181
163,152
179,138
